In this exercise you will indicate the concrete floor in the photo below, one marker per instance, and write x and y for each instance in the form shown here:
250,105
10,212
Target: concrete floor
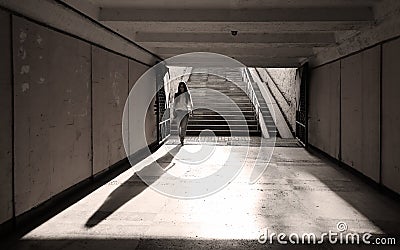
298,193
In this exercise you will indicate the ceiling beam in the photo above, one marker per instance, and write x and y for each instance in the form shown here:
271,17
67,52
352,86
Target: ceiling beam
361,13
266,52
252,57
283,38
230,4
128,27
232,45
249,62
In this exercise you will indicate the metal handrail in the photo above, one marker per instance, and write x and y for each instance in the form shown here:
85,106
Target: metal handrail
163,126
251,93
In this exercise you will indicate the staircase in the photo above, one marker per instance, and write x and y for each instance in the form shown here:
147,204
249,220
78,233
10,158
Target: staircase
220,105
267,116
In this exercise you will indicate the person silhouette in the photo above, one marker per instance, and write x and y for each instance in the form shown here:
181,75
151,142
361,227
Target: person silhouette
183,108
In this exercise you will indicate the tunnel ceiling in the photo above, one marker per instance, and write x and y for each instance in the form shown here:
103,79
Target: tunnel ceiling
274,33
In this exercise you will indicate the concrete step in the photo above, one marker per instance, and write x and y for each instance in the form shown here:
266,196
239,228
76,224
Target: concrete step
223,109
222,105
216,83
230,89
223,122
222,102
228,117
205,92
240,114
219,95
207,99
270,122
215,127
224,133
222,113
220,99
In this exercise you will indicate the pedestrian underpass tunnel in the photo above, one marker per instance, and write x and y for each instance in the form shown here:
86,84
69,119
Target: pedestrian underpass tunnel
293,131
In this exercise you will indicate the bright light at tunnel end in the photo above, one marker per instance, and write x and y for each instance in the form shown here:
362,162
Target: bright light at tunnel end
156,175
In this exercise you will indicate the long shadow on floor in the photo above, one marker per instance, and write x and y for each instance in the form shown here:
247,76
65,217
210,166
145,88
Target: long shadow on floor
132,187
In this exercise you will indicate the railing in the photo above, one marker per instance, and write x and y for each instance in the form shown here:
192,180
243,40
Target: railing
251,93
165,129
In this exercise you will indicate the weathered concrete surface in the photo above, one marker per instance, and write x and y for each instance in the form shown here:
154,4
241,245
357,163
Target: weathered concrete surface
288,32
360,112
110,90
387,26
59,17
284,91
298,193
324,109
6,123
142,132
86,7
391,116
52,113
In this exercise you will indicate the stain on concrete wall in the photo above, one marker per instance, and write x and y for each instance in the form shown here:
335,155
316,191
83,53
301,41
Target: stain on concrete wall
142,132
52,113
391,115
285,80
6,193
110,90
324,104
360,112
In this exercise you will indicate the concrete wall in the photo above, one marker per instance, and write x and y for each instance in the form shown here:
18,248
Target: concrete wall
52,113
141,132
285,80
367,139
282,84
324,101
360,112
6,210
68,98
391,115
110,90
55,15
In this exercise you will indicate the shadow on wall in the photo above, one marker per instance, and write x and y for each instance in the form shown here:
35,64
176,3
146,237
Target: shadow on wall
131,188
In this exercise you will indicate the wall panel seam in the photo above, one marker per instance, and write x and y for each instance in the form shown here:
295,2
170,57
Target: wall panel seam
12,119
340,111
91,113
380,111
